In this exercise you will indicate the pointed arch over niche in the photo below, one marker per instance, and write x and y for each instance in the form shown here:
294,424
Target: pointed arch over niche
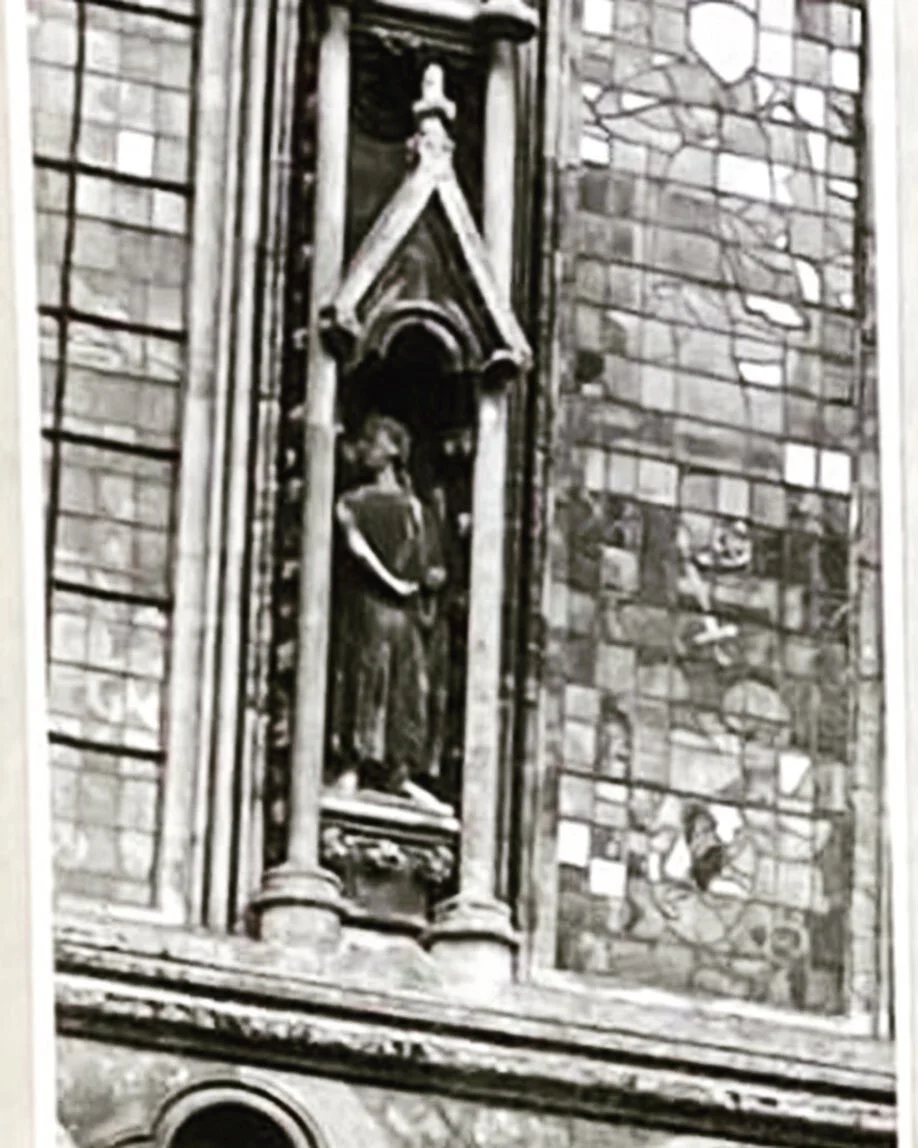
424,263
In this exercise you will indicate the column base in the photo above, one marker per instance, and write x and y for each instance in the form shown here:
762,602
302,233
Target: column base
300,907
473,941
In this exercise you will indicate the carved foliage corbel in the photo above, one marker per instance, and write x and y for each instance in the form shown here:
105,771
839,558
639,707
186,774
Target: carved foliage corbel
431,863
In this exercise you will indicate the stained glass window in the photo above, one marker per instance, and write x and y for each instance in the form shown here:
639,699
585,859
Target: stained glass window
714,594
111,102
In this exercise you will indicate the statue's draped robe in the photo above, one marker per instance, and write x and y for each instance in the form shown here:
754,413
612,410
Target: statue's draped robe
381,701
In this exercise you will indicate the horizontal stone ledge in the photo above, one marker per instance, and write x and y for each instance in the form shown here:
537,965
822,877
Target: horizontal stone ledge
205,995
375,809
701,1034
549,1080
701,1037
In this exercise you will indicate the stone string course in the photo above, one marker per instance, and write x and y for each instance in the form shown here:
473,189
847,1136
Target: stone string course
235,1001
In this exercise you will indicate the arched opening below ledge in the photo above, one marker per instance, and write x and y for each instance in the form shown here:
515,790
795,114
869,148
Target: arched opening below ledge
230,1126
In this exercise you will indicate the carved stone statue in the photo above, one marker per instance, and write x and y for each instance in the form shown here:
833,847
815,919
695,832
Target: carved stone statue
385,660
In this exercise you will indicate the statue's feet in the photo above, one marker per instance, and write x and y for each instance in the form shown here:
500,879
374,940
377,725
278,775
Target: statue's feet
346,783
424,800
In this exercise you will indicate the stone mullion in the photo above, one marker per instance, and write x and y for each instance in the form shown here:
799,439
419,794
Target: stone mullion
279,108
472,933
296,162
300,899
521,539
863,960
198,590
230,798
547,601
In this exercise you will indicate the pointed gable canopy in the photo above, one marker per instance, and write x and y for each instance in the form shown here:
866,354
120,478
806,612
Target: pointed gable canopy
424,263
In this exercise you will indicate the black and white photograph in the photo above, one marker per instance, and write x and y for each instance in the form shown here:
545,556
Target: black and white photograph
459,511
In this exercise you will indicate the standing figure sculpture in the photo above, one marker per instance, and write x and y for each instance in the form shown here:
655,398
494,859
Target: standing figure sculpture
390,573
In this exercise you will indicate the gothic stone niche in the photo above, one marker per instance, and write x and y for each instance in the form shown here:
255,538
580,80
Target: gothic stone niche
419,330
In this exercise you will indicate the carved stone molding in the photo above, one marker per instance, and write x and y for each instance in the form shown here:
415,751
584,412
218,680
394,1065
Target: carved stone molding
393,860
155,988
513,20
432,864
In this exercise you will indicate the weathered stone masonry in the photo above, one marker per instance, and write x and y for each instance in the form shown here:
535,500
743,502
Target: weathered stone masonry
691,696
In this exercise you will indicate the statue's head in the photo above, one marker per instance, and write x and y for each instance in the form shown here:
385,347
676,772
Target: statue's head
383,441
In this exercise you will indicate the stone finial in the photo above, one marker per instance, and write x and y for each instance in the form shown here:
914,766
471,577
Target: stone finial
434,101
432,144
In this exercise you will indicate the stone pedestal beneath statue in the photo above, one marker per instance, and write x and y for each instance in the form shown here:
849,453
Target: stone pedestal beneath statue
394,860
